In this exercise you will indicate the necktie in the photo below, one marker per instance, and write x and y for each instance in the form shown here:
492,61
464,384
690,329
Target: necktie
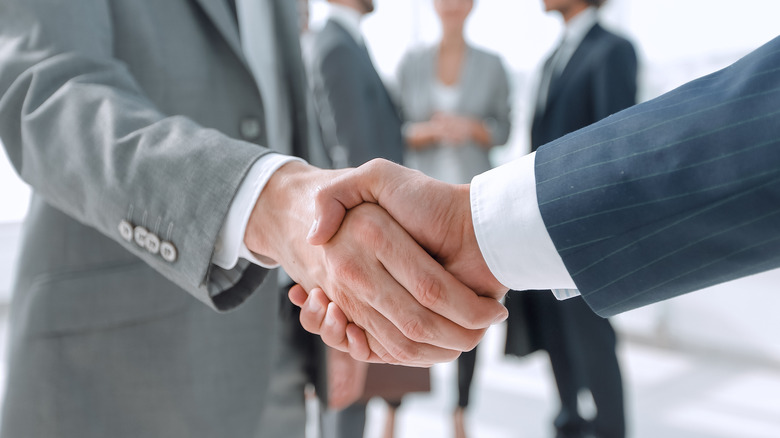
286,17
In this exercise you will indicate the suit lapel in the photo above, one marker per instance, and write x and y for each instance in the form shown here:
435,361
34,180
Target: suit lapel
220,14
578,59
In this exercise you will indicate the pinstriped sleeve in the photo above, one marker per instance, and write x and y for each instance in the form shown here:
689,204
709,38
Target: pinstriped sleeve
510,231
672,195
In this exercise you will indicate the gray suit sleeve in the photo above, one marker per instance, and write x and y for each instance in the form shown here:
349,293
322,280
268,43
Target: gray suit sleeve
672,195
80,131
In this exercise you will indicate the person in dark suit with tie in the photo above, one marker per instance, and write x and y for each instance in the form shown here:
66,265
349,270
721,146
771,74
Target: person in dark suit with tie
358,121
591,75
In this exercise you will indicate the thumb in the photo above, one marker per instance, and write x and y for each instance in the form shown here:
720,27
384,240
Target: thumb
333,199
328,214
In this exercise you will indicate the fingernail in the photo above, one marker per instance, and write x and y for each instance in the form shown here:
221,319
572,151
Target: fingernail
314,306
350,338
313,228
329,321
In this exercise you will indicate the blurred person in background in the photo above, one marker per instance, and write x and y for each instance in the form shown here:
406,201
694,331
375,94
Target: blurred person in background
358,121
590,75
454,101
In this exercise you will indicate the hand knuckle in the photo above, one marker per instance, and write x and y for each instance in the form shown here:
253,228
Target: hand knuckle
429,291
386,357
405,352
416,330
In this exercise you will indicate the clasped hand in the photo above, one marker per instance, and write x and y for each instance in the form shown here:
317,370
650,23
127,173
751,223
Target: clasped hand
450,286
375,292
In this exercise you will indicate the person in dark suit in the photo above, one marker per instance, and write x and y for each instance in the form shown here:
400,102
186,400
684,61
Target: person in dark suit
591,75
359,121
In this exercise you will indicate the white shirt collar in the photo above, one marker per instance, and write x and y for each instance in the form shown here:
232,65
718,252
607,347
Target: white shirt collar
579,26
348,18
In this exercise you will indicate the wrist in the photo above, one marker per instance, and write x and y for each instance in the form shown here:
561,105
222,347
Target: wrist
278,215
473,260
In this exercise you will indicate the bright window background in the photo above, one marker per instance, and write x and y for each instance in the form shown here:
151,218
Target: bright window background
14,194
677,40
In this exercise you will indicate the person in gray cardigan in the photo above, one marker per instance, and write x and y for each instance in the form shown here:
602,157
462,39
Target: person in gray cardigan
454,99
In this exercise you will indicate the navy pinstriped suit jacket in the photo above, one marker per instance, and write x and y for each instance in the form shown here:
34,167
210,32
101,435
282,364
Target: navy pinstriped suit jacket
672,195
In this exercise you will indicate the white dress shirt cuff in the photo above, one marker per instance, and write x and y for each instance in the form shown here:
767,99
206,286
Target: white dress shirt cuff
230,242
511,233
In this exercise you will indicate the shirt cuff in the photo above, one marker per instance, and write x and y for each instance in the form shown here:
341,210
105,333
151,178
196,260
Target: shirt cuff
511,233
230,241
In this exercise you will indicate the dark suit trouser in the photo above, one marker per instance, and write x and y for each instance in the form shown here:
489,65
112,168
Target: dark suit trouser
349,422
466,364
582,355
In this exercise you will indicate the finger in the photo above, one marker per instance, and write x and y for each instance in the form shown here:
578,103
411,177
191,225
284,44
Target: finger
358,343
438,290
334,328
331,325
400,256
377,358
346,191
313,312
394,346
297,295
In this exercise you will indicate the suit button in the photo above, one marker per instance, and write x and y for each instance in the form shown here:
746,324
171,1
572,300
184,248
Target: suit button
139,235
126,230
168,252
250,128
152,243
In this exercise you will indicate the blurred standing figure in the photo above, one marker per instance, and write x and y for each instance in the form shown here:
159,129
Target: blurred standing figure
455,104
591,75
454,101
359,122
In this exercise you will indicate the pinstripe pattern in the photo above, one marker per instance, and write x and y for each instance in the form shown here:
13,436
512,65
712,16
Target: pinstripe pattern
672,195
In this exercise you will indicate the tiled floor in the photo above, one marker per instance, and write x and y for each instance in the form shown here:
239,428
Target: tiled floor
670,394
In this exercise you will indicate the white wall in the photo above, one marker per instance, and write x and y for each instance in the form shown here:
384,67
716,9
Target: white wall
14,194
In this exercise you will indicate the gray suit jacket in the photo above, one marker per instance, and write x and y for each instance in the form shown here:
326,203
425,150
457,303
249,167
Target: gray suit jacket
359,120
124,114
483,89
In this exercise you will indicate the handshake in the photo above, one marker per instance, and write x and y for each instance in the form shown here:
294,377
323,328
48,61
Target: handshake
386,260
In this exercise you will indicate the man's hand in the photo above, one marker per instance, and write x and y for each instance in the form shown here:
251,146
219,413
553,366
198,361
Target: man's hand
412,310
436,214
